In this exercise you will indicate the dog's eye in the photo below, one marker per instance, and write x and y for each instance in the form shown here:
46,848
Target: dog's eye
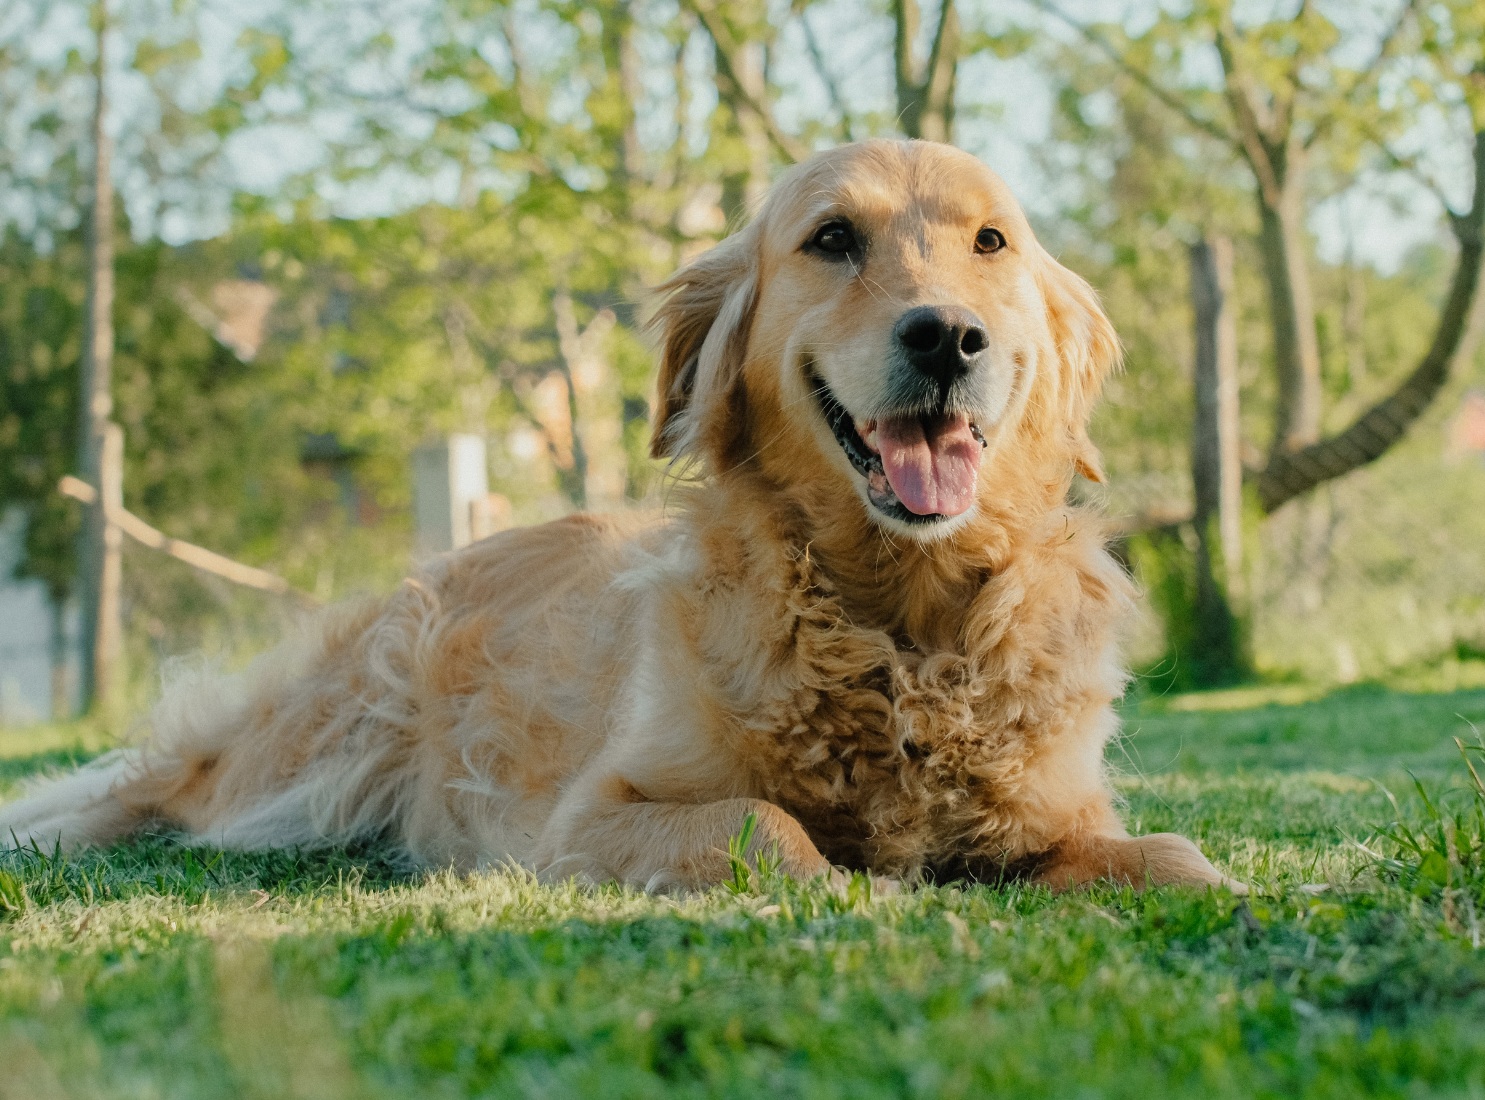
834,238
989,239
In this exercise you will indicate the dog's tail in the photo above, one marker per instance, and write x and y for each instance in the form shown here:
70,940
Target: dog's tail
306,746
170,775
174,764
73,810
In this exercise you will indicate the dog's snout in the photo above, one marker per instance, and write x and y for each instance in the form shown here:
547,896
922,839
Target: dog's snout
940,341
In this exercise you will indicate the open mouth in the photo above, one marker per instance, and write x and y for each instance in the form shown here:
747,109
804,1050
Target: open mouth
919,469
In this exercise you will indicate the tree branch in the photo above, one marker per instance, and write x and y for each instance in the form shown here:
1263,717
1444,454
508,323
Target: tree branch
206,560
1409,164
1281,114
1290,474
1366,77
1208,126
727,48
1159,516
1256,146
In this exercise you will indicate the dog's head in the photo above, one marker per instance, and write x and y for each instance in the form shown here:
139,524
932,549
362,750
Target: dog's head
887,326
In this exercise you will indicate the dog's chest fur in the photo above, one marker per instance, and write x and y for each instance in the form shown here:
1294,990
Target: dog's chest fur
898,761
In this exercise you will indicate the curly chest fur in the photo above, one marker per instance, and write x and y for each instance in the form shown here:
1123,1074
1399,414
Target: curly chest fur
889,769
899,761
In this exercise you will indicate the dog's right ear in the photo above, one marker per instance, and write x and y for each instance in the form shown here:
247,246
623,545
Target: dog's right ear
702,321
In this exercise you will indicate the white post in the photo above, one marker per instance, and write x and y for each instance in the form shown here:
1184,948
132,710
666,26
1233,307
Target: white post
450,486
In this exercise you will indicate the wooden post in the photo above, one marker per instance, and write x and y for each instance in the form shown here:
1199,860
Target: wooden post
108,639
101,453
1216,470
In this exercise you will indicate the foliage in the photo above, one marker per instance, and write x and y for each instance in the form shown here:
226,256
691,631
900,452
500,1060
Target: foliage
212,446
442,320
1149,166
40,330
1198,651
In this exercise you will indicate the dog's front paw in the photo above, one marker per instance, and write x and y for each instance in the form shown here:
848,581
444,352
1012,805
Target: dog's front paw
1159,859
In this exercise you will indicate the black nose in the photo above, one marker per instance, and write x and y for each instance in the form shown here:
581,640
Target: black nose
941,341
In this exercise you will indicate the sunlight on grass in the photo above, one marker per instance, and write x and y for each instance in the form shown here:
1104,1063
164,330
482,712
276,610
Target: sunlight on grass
1241,698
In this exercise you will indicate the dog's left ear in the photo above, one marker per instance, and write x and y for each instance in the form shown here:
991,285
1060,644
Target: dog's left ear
702,323
1088,351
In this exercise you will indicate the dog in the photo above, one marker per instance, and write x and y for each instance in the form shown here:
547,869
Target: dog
873,626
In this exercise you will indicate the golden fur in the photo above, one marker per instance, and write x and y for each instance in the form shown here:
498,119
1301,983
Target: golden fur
611,697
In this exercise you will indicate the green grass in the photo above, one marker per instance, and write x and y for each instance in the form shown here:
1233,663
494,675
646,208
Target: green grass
157,971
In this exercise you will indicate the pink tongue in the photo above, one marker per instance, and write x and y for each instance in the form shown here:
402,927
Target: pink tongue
934,471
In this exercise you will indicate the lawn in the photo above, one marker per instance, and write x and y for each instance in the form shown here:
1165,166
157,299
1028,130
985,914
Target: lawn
156,971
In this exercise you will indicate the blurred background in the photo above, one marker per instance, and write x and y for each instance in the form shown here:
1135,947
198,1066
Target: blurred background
374,271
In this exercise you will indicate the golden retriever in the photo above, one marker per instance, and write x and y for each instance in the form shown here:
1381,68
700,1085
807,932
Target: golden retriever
877,625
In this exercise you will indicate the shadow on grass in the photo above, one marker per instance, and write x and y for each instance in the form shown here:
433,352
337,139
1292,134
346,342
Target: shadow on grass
724,1000
487,983
682,996
161,865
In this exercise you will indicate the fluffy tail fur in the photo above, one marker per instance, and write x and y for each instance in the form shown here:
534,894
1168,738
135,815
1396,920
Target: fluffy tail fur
115,795
72,810
216,761
361,731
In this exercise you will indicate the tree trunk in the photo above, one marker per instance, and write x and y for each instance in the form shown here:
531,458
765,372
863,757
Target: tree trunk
102,448
621,59
1218,636
739,33
574,481
1292,309
925,92
108,660
1264,134
741,36
1291,474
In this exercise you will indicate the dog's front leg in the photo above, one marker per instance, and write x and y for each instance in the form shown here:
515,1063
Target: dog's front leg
608,830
